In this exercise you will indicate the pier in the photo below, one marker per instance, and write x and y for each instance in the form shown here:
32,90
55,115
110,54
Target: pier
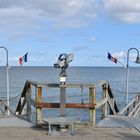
114,124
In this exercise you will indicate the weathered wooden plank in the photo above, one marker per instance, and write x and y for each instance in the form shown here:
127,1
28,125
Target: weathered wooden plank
22,104
6,106
68,105
111,105
39,109
100,103
32,83
77,85
28,96
104,95
92,100
112,96
25,90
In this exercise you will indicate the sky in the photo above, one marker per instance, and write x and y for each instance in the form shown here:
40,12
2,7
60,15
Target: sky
87,28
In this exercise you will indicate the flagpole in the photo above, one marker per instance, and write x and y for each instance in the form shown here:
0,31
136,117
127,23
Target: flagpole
121,64
8,89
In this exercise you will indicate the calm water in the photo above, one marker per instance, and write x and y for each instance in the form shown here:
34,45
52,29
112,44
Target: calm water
115,75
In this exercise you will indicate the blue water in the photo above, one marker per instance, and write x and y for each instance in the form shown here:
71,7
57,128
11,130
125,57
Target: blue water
86,75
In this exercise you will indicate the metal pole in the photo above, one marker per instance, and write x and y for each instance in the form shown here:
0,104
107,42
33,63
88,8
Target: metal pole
62,101
127,72
7,79
127,78
8,89
62,97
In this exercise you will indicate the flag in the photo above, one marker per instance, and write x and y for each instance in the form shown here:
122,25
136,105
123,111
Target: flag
23,59
112,58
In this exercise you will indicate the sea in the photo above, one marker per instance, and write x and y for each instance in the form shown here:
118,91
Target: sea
116,76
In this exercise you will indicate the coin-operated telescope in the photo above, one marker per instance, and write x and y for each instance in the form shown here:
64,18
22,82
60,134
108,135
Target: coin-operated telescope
62,63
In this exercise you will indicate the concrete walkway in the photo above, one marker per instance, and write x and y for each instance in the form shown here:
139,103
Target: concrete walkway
9,133
18,129
14,122
120,121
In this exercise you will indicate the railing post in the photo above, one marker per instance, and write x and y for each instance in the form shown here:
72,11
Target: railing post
112,104
28,96
127,112
22,102
92,100
39,109
134,104
104,95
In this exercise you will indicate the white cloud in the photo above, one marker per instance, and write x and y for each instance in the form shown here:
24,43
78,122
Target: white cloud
123,10
79,48
22,18
64,13
93,39
23,13
69,8
122,56
119,54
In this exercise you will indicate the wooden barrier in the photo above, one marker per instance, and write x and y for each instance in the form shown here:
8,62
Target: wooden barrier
107,102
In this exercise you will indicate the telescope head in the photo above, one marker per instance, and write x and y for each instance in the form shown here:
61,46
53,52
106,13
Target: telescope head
63,62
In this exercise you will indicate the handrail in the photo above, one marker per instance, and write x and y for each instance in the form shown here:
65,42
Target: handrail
128,105
112,97
107,99
134,109
131,108
6,107
37,84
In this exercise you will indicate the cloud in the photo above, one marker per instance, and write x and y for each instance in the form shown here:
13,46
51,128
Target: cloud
93,39
124,10
123,56
79,48
20,18
120,54
68,8
71,13
21,13
17,36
